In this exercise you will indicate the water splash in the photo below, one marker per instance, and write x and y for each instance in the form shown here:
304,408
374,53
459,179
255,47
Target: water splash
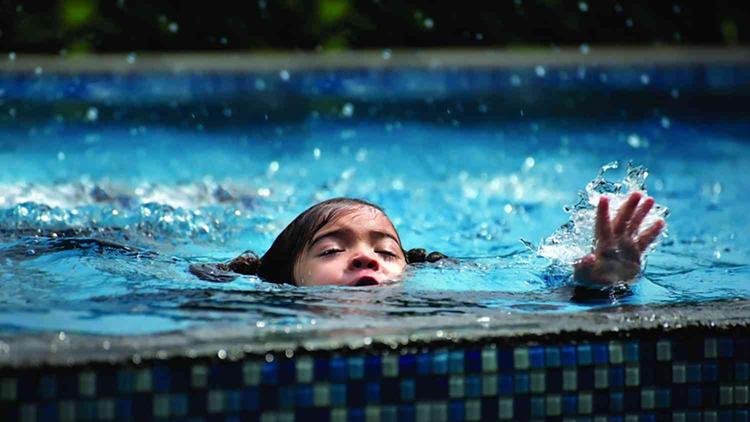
574,239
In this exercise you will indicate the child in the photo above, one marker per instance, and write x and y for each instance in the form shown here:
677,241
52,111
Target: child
351,242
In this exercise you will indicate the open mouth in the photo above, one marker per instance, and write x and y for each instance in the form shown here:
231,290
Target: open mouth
366,281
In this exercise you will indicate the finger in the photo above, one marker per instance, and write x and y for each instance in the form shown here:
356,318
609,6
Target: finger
603,229
639,215
625,212
650,234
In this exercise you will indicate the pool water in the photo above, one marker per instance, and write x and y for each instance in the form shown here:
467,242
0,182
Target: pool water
99,221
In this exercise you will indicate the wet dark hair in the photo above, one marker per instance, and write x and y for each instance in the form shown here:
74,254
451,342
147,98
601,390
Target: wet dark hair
277,265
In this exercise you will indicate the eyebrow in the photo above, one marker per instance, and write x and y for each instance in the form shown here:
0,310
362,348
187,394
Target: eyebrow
346,232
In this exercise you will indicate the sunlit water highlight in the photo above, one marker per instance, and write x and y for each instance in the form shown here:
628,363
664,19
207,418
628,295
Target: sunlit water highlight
98,224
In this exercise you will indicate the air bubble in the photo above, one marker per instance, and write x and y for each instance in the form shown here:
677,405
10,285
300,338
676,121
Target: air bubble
585,49
347,110
12,56
284,75
130,58
173,27
583,6
429,23
92,114
665,123
260,84
645,79
515,80
386,54
38,70
540,71
316,153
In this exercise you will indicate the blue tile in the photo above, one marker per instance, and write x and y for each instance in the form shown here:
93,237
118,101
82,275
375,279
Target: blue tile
521,407
616,418
372,390
568,356
48,411
726,347
538,409
693,372
616,402
355,414
124,409
505,384
233,400
505,358
585,378
356,394
742,348
570,404
554,380
287,372
250,398
269,373
406,413
521,381
47,387
710,372
536,356
338,394
407,365
338,369
456,362
456,411
440,363
473,386
584,354
647,417
178,404
286,396
725,416
741,371
312,414
601,353
473,363
408,390
630,351
632,400
552,356
356,367
373,367
600,401
124,381
616,376
663,398
741,415
695,396
424,364
693,416
304,395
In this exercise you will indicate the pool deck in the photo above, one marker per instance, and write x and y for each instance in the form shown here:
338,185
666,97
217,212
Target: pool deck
490,326
370,59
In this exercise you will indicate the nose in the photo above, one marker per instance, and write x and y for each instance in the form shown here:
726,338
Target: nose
360,262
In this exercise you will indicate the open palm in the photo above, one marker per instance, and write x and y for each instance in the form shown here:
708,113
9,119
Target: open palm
618,244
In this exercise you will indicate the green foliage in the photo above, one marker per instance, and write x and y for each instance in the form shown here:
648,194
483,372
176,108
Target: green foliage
77,13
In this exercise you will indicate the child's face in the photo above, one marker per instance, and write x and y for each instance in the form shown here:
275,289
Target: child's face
359,248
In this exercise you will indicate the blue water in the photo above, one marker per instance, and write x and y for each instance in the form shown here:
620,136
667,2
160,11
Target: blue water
100,220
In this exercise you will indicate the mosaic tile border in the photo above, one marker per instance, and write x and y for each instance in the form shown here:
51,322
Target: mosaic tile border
672,377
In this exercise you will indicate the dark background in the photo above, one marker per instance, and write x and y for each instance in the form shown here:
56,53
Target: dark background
89,26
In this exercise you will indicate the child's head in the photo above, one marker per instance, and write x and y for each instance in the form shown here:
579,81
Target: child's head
339,241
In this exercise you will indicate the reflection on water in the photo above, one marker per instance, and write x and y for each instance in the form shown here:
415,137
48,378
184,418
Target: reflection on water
96,235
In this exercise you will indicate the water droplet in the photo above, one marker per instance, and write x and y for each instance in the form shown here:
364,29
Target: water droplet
289,353
387,54
540,71
260,324
634,141
645,79
482,108
515,80
665,123
529,163
429,23
508,208
273,167
675,93
629,22
347,110
173,27
130,58
676,9
585,49
316,153
60,156
61,336
264,192
92,114
12,56
222,354
583,6
284,75
38,70
260,84
269,357
223,40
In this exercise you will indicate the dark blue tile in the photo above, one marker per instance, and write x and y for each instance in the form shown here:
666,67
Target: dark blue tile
693,416
600,401
67,385
322,369
356,414
693,372
407,365
521,382
390,390
537,409
710,372
316,414
663,398
287,371
143,406
679,396
473,361
48,411
601,353
106,383
741,371
726,347
162,380
505,358
123,409
710,395
424,364
647,417
726,416
726,370
338,369
125,381
552,356
536,356
356,394
741,415
553,377
286,396
372,392
586,378
249,397
521,407
568,356
473,386
196,403
505,384
233,401
742,348
269,373
408,389
47,387
456,411
489,409
570,404
616,376
616,418
632,399
268,397
304,395
630,351
373,367
695,396
407,413
647,350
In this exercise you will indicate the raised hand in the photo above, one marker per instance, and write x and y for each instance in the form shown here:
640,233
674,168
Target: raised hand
618,245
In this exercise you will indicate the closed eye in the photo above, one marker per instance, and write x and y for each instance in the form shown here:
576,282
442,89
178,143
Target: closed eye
387,254
331,251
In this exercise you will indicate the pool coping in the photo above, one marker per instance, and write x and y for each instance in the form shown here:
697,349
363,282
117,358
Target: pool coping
487,326
130,62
